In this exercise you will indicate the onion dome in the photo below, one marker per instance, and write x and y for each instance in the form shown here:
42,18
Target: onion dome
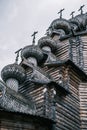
13,75
61,24
13,71
32,51
74,24
47,42
80,21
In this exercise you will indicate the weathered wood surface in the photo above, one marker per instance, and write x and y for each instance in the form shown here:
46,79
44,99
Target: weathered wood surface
83,105
74,82
84,40
18,121
62,51
68,107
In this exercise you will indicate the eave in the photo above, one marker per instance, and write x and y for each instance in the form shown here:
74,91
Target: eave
14,102
77,69
60,88
81,33
4,114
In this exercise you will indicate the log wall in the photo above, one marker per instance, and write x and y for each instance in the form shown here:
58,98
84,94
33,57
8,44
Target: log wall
18,121
84,41
83,105
36,92
68,107
63,54
83,89
72,49
62,51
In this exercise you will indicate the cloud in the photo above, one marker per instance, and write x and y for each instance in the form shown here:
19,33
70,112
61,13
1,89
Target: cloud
19,18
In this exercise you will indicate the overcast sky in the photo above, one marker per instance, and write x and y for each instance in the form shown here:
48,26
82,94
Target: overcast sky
20,18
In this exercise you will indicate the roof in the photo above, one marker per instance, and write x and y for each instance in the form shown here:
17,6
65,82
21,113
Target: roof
15,102
27,117
77,69
72,27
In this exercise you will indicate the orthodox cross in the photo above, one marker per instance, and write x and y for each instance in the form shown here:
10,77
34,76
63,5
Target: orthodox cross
17,52
60,12
33,35
72,13
81,9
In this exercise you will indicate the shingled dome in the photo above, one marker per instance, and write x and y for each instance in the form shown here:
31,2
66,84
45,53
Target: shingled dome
47,41
80,21
61,24
32,51
14,71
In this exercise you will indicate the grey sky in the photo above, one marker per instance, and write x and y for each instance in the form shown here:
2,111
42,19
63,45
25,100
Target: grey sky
20,18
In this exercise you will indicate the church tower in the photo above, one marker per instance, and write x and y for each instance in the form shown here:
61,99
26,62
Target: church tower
48,89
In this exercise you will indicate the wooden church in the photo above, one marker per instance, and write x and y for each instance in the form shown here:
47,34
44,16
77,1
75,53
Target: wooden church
47,90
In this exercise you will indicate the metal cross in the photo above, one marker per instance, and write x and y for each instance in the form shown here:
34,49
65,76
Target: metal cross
72,13
81,9
33,35
60,12
17,52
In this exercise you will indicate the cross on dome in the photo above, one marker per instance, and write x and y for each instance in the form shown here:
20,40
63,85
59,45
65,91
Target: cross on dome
72,13
33,35
81,9
17,52
60,12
